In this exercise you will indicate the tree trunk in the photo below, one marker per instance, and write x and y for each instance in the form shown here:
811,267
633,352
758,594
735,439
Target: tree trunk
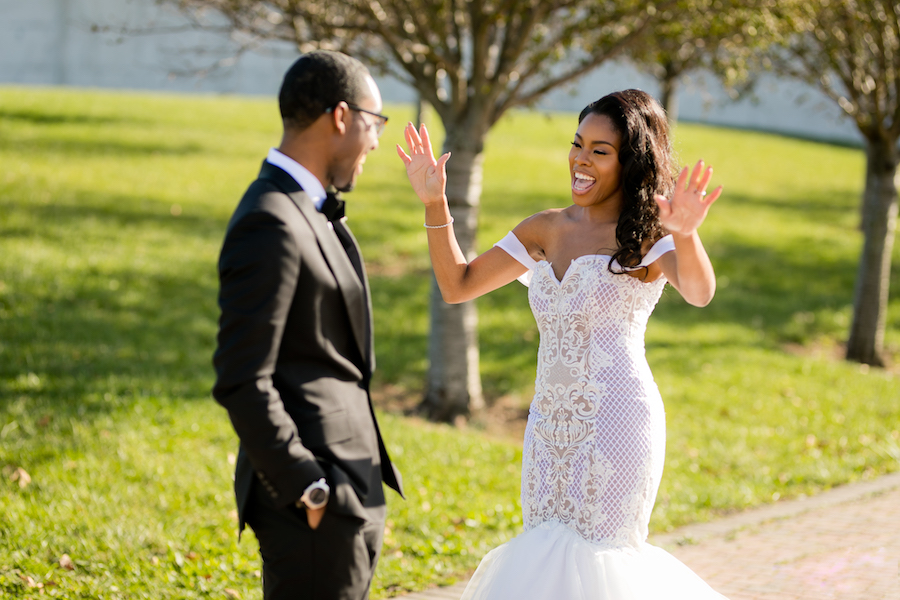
669,85
454,379
420,111
879,223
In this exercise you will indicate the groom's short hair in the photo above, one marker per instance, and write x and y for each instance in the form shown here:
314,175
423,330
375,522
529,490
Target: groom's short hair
318,81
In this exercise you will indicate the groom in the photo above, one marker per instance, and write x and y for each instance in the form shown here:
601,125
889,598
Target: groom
295,354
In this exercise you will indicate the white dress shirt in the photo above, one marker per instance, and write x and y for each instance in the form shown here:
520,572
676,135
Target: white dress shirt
310,184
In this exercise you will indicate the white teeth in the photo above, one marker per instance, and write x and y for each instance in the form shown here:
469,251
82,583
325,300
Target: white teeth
583,176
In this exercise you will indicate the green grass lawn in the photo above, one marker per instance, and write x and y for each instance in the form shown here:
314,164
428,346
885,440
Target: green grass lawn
112,209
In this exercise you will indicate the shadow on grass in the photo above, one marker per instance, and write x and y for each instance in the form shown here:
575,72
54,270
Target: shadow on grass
111,336
507,334
98,330
45,148
111,212
508,337
784,293
790,294
101,335
400,306
42,117
808,207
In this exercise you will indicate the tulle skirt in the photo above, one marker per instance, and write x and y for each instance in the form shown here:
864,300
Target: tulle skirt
552,562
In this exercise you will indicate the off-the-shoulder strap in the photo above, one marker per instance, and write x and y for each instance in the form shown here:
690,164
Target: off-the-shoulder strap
512,246
662,246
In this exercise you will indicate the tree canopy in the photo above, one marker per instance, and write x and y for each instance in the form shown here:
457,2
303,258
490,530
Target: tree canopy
472,60
456,53
721,37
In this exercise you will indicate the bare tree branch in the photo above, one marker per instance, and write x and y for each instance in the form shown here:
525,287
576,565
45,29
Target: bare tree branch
472,60
573,73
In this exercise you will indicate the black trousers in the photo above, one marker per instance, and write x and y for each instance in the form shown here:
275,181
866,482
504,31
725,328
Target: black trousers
335,561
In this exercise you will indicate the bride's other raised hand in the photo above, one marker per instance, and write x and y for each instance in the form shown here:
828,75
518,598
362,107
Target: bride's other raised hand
427,175
685,212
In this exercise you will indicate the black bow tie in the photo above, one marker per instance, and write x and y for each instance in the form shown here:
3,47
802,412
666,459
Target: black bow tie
333,207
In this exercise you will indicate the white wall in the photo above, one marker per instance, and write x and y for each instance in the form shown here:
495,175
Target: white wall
54,42
701,99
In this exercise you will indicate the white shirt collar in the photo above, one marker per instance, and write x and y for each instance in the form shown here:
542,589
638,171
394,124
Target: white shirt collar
310,184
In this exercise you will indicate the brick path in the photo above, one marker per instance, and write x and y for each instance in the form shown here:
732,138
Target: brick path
843,544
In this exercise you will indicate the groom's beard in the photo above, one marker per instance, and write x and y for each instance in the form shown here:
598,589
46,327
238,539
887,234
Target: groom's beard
340,172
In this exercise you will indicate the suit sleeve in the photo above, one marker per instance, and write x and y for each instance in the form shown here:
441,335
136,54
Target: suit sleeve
258,270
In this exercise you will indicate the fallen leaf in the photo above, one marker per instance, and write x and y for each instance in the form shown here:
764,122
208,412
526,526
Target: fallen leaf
65,561
192,555
22,476
231,593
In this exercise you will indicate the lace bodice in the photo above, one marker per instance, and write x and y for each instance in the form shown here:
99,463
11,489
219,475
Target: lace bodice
594,446
595,440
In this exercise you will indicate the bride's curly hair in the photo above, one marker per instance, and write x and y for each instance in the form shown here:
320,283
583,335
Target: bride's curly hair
648,168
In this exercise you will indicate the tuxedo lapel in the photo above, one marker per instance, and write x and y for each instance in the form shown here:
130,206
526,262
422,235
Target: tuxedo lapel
369,349
354,289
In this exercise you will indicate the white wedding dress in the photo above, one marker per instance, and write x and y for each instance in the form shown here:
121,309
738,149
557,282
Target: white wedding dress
594,446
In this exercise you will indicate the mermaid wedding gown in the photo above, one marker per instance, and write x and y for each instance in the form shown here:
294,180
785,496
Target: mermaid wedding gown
594,446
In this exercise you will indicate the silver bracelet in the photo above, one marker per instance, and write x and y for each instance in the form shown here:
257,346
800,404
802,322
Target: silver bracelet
427,226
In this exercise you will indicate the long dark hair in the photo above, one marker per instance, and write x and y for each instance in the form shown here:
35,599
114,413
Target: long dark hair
647,163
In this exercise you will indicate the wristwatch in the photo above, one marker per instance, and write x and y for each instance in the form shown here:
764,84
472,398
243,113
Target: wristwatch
315,495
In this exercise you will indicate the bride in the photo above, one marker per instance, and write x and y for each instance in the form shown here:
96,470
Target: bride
595,439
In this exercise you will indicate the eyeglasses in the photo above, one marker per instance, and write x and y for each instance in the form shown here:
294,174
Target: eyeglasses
380,120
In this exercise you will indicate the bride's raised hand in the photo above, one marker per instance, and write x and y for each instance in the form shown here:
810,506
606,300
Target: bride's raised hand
427,175
689,205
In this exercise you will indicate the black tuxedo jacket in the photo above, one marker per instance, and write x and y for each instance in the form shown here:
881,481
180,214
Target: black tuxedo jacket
295,354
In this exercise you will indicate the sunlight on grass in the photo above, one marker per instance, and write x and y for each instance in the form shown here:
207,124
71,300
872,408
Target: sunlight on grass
112,210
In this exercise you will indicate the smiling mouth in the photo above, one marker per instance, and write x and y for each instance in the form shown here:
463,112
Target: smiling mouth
581,183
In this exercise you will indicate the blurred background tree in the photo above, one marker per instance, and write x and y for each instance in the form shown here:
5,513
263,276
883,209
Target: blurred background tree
714,36
472,62
850,50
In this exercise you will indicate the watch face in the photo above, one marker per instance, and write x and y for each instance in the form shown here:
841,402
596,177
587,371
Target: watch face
317,496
